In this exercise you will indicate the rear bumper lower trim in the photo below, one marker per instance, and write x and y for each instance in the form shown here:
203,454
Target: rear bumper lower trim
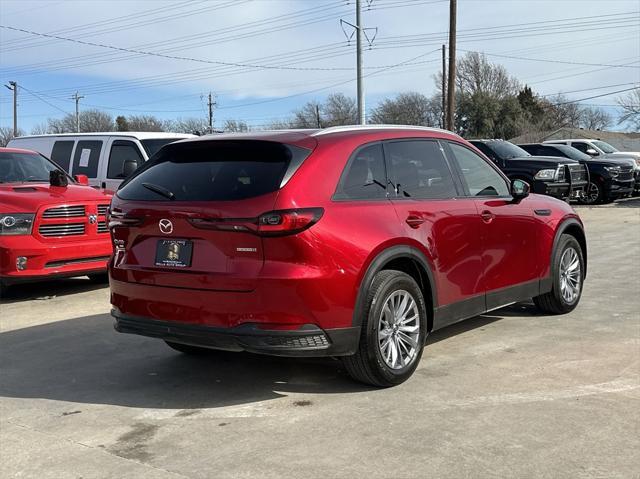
309,340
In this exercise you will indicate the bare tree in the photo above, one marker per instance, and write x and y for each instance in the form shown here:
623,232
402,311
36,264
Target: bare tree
338,109
410,108
562,112
41,129
235,126
196,126
630,104
592,118
90,121
476,74
6,135
280,125
144,123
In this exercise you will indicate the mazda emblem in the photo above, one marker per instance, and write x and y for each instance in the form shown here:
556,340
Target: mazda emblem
166,226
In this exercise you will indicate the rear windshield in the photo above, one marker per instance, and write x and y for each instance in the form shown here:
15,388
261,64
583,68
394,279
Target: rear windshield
214,171
505,150
152,146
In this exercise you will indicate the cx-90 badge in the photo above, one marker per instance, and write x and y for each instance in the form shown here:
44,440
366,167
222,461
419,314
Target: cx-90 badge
166,226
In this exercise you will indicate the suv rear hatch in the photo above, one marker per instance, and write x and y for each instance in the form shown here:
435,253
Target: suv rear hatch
190,217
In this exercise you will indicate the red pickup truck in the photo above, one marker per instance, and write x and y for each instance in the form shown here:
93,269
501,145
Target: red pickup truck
51,225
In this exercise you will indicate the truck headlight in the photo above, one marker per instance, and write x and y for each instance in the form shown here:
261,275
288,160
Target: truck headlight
546,175
613,170
16,223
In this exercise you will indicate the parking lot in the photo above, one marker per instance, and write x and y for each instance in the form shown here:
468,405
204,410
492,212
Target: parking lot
508,394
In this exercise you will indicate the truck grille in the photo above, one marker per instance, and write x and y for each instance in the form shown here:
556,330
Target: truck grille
626,173
64,212
102,227
578,173
102,210
67,229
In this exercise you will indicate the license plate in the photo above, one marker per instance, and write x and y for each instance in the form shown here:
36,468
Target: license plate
174,253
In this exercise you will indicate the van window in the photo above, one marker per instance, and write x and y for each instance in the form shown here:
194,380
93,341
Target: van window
419,170
61,153
86,158
214,171
122,151
152,146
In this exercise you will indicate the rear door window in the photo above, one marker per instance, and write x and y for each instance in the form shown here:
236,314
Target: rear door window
583,147
418,169
86,158
214,171
364,178
61,153
122,151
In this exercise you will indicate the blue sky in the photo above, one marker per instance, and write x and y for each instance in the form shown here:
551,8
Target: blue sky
264,58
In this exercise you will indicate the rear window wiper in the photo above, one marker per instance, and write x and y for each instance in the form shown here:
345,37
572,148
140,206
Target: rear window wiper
160,190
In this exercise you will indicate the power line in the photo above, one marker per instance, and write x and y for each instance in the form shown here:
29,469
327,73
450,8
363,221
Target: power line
566,62
598,96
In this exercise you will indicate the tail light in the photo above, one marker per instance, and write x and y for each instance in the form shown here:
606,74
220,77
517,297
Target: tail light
287,222
273,223
117,218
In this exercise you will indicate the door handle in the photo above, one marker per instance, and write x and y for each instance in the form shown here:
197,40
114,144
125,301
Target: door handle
414,221
487,216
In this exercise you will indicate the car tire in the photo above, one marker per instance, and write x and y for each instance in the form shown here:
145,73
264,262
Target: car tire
189,349
567,283
594,194
99,278
383,332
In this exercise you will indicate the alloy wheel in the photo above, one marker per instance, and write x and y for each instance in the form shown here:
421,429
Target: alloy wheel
593,193
399,330
570,275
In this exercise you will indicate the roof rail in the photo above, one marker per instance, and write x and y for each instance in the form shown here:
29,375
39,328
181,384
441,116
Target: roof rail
339,129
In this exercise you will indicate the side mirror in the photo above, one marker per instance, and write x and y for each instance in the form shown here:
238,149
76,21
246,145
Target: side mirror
592,152
519,189
128,167
81,179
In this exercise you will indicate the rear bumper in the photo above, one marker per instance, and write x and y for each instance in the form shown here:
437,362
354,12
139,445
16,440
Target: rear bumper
308,340
51,260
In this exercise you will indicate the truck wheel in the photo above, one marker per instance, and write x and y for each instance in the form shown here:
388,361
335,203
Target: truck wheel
567,268
393,331
593,195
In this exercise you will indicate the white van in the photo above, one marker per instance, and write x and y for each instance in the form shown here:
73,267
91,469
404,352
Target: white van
106,158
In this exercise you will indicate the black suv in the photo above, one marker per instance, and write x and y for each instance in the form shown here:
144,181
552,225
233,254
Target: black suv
609,178
561,178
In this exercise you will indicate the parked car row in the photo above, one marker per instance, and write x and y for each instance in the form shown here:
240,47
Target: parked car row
47,230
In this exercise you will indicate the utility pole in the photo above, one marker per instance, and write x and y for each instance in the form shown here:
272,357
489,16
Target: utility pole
211,104
359,30
451,90
444,86
13,86
361,117
77,98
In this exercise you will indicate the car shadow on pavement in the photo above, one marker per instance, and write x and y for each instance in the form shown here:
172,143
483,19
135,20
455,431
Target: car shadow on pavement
49,289
628,203
84,360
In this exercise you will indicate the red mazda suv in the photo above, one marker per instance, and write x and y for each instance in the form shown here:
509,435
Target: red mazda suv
354,242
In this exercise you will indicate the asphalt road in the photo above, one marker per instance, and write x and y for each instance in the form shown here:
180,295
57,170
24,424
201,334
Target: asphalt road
509,394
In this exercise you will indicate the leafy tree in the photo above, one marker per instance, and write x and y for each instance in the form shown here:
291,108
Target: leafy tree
121,123
409,108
